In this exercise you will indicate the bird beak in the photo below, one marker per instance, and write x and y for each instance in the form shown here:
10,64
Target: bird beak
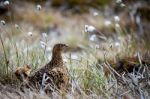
66,48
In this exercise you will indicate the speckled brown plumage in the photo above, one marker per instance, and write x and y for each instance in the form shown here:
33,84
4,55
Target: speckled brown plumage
23,72
54,73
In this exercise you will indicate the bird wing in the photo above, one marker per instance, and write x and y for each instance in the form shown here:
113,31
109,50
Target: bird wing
59,76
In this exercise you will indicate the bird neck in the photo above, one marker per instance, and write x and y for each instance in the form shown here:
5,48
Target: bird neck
57,59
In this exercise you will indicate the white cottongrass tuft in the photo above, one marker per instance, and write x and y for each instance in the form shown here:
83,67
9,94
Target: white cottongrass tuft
116,18
38,7
44,35
117,44
29,33
16,26
118,1
122,5
107,22
89,28
93,37
6,2
95,13
117,25
3,22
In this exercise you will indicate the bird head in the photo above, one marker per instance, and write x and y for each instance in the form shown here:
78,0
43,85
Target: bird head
60,48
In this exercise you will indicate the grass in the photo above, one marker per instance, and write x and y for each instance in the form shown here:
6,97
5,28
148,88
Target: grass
87,78
87,74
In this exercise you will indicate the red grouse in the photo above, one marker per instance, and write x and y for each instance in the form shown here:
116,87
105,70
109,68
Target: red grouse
52,76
